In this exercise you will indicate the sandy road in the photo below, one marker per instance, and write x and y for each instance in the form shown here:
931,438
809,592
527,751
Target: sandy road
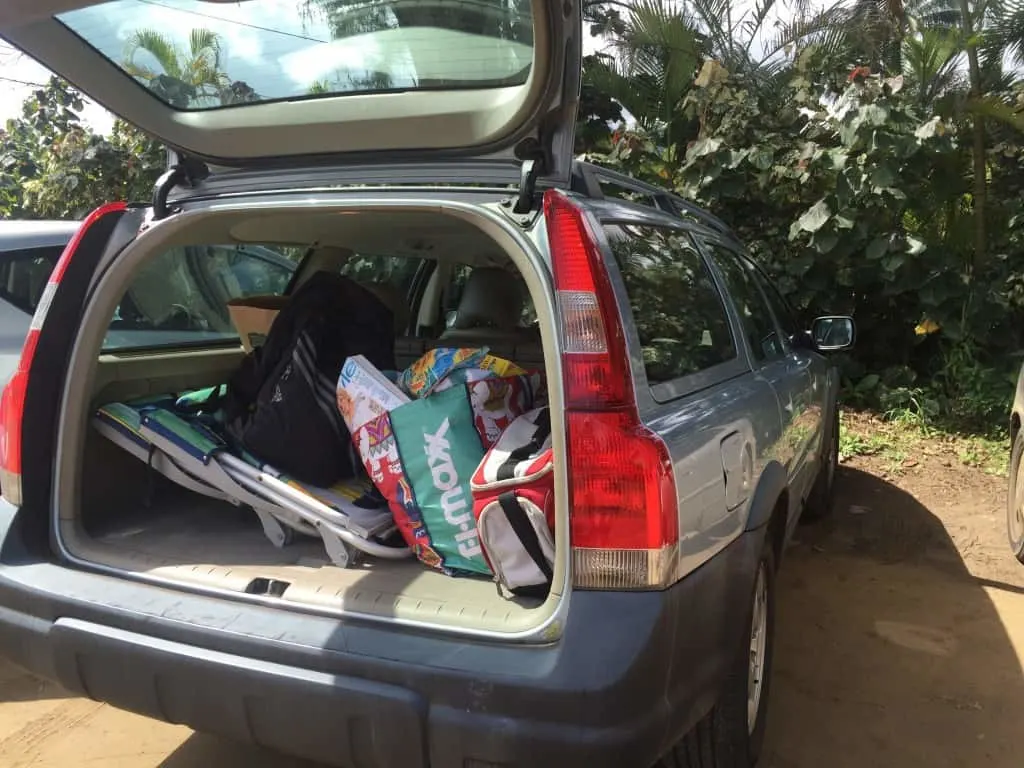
900,643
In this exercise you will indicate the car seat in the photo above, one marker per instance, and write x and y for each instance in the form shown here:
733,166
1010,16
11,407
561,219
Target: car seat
489,315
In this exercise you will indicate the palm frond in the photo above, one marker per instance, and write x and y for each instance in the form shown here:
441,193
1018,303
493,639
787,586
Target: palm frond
752,22
930,62
827,29
659,50
1004,30
713,18
159,47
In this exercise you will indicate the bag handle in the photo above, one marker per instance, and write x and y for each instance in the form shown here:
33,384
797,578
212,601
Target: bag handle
507,469
527,534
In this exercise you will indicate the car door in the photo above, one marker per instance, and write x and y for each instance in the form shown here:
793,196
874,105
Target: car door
786,368
692,377
817,366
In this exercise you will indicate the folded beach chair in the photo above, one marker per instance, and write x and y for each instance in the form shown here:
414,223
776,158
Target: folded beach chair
189,453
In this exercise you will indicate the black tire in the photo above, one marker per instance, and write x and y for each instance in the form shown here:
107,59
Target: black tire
821,502
724,738
1015,500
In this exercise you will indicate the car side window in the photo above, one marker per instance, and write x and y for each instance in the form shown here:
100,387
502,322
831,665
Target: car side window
23,275
766,343
679,314
783,311
258,271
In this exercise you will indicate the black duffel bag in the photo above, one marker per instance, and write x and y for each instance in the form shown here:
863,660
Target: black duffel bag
280,405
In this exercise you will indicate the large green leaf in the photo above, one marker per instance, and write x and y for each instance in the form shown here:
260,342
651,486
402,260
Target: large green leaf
877,248
815,218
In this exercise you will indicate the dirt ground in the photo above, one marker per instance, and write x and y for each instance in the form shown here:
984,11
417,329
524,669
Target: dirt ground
900,641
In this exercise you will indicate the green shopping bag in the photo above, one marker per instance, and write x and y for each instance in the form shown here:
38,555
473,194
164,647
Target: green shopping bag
440,449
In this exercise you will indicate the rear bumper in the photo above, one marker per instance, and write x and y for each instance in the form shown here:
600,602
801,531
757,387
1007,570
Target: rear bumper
631,673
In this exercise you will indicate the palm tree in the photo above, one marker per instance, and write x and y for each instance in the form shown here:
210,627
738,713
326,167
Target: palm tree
184,78
927,41
651,66
657,47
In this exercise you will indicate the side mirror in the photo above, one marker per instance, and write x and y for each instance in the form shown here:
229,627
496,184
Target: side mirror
833,333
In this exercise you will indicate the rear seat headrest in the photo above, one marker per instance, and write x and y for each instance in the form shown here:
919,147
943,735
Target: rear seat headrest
491,298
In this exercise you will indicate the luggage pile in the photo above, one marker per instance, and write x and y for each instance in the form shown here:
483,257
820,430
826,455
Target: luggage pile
318,432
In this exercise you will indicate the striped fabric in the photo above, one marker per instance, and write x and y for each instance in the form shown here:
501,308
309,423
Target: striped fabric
201,443
193,438
125,419
322,387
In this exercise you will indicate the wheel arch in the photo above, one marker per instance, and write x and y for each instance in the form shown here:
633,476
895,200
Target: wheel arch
769,506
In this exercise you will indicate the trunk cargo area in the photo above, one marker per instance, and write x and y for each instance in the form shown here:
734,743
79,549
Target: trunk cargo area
132,521
183,537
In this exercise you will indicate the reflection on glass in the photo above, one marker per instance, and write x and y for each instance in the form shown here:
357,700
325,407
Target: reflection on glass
833,332
180,296
679,315
755,314
199,55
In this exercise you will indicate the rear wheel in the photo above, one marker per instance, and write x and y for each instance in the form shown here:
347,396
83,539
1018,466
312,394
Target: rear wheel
731,735
820,502
1015,499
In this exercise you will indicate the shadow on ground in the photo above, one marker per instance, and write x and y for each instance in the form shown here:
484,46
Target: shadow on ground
200,750
17,685
889,652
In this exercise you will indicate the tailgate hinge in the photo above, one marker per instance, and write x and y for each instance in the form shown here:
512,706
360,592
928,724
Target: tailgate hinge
186,171
531,169
531,152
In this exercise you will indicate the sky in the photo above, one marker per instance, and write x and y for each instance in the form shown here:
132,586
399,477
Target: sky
266,44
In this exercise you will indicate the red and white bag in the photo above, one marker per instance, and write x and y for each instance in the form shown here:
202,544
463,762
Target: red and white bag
513,503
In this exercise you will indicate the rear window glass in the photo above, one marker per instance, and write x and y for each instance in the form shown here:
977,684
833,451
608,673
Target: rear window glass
197,55
180,297
454,291
679,315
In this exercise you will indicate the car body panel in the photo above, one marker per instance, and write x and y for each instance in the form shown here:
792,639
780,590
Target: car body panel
223,667
799,380
724,426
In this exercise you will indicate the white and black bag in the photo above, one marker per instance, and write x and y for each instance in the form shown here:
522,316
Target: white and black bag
513,503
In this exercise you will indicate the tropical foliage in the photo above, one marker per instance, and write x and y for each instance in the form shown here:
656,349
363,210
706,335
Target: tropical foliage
869,155
869,152
54,166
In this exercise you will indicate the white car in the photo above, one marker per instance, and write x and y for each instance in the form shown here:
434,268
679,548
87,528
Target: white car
28,252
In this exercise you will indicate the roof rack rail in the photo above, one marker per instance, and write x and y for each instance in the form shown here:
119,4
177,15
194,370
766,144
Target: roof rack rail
587,178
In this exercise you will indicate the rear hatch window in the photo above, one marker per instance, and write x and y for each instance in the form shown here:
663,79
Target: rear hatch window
354,84
196,55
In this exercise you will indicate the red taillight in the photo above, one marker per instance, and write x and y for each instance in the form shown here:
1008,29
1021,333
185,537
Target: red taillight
623,520
596,368
12,400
